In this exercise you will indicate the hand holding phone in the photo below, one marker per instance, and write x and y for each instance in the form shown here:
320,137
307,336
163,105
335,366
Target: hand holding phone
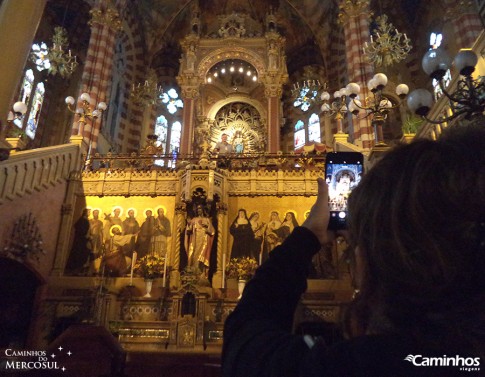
343,172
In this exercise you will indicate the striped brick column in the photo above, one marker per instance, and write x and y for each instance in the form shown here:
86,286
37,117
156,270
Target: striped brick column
99,61
465,20
355,17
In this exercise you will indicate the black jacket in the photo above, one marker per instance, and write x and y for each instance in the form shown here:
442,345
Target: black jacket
258,339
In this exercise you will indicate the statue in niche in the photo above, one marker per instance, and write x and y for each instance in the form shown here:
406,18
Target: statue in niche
191,57
199,236
238,142
273,55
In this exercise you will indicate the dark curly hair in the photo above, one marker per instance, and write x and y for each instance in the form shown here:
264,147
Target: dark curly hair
418,218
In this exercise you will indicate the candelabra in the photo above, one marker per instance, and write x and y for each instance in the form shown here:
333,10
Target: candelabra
468,99
85,111
55,59
387,46
337,107
306,94
148,93
25,240
376,104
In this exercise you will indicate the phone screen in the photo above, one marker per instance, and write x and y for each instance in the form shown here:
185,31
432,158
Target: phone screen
343,172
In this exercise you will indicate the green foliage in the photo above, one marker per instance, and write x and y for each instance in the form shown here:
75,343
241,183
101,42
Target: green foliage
411,124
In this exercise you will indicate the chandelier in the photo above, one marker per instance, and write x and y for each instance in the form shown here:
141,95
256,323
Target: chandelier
85,110
468,100
147,93
306,93
387,45
55,59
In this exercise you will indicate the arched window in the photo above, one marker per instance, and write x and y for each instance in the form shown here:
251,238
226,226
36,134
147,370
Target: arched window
435,40
314,128
35,110
168,127
299,134
33,98
307,129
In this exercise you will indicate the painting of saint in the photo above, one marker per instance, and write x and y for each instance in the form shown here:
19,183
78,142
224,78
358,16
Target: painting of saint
271,238
287,226
77,264
96,233
243,235
199,236
145,235
258,230
111,219
161,231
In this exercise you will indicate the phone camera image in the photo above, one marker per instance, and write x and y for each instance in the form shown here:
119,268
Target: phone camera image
343,172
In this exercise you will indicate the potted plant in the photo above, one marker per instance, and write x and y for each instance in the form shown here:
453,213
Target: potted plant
409,128
241,269
149,268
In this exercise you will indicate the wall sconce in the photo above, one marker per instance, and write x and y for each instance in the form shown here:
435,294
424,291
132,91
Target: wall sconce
468,100
85,111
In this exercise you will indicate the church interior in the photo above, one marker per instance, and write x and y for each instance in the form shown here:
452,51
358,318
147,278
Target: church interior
154,152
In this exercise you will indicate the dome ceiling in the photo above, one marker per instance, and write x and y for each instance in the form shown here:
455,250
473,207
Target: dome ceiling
301,22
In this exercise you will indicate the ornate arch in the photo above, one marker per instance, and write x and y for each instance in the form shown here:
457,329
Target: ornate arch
231,52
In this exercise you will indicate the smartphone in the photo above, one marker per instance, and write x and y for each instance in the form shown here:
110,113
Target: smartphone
343,172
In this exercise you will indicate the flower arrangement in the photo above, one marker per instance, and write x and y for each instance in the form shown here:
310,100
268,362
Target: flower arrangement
149,267
241,268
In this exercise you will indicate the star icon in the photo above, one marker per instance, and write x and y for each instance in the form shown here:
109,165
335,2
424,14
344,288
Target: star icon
53,355
63,369
69,353
60,348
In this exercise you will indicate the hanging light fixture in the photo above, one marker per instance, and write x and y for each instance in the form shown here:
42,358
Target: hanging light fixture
387,45
468,99
149,92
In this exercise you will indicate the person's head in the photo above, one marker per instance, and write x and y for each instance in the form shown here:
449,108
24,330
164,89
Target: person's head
343,182
254,216
417,219
117,211
242,214
200,210
274,215
224,138
131,213
115,230
96,214
148,213
161,212
86,212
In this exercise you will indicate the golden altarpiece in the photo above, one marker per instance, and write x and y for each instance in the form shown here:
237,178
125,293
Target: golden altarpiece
186,310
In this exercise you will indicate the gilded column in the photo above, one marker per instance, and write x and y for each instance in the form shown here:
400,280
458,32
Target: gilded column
99,60
19,20
180,213
221,241
354,15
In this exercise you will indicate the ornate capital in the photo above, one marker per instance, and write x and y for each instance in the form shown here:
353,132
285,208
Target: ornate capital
353,8
190,92
180,208
273,90
110,18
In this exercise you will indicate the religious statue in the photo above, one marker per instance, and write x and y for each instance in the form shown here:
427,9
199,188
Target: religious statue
199,236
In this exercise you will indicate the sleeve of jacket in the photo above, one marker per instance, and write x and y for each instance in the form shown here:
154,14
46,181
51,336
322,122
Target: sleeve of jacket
257,335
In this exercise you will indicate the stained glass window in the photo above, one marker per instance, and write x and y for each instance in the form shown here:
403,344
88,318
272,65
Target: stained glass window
175,137
35,110
161,130
299,134
314,128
